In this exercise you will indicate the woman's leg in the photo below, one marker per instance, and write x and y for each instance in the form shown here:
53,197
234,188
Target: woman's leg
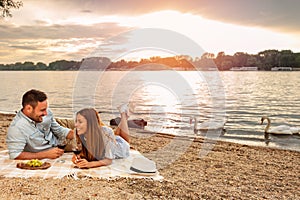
122,129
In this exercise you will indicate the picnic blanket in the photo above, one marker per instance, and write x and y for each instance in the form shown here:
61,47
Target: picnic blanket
63,167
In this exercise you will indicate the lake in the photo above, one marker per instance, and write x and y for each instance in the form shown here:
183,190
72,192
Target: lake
168,99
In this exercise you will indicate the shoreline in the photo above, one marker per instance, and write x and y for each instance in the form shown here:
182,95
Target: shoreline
9,115
228,171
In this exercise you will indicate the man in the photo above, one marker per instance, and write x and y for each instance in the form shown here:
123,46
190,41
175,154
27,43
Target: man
33,133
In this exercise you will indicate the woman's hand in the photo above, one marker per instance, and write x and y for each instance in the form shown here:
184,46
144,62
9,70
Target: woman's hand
83,163
80,163
74,159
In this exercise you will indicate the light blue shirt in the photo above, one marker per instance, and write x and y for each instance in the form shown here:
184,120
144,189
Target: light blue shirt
115,146
26,135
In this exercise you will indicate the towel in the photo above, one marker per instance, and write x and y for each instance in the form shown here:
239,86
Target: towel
63,167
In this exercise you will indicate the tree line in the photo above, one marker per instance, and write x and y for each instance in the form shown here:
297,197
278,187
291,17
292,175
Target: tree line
264,60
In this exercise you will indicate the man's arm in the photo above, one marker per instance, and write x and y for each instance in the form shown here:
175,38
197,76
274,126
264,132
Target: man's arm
15,141
58,130
51,153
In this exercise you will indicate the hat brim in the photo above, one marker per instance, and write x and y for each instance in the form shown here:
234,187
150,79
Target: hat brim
141,171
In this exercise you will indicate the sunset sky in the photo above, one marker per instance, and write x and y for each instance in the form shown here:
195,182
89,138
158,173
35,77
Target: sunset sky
50,30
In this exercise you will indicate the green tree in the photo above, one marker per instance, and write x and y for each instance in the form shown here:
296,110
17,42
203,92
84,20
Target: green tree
297,60
206,61
41,66
224,62
286,58
28,66
269,58
220,57
62,65
252,61
7,5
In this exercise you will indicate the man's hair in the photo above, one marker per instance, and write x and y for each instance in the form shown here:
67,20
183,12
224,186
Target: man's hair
32,97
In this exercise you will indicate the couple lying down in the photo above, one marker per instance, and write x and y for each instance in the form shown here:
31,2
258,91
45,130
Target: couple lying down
34,134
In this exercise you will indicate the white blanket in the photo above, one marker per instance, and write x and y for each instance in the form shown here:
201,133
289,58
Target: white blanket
63,167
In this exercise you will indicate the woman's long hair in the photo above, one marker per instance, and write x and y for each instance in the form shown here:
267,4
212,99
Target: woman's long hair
93,143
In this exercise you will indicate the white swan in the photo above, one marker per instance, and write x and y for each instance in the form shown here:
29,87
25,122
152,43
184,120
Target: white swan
208,125
279,130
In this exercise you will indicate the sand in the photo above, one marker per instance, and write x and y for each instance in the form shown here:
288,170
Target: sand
228,171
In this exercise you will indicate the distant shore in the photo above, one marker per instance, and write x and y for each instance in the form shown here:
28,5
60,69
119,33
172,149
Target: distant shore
297,69
264,60
228,171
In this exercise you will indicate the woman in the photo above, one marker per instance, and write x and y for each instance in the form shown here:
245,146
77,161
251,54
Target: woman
99,143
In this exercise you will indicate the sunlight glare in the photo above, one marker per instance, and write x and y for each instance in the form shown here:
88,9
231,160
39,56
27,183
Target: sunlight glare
214,36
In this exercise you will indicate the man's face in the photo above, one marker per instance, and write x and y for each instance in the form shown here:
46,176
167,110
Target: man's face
38,112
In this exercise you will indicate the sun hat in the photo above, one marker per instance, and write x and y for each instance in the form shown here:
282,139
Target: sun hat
143,165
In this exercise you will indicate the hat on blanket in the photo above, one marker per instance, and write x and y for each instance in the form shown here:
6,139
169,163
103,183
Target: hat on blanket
143,165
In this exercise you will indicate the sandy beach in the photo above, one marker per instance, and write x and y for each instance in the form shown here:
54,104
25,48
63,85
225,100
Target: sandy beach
228,171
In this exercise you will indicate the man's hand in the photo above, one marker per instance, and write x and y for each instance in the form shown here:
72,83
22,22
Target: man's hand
54,153
51,153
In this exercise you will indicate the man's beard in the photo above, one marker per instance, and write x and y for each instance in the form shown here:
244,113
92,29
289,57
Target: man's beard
36,118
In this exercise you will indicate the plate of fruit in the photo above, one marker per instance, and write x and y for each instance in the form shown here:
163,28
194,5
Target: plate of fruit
33,164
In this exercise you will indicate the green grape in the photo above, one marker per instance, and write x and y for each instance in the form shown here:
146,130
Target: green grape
34,163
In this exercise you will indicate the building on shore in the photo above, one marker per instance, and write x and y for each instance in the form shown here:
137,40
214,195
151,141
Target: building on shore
244,69
281,69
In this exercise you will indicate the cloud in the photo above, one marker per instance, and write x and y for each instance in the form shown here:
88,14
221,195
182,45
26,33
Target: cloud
36,42
47,43
66,29
56,31
23,47
273,14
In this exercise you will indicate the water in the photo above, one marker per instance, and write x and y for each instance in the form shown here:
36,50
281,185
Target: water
167,99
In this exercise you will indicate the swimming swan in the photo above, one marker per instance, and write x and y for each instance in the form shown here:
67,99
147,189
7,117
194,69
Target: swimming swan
208,125
279,130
